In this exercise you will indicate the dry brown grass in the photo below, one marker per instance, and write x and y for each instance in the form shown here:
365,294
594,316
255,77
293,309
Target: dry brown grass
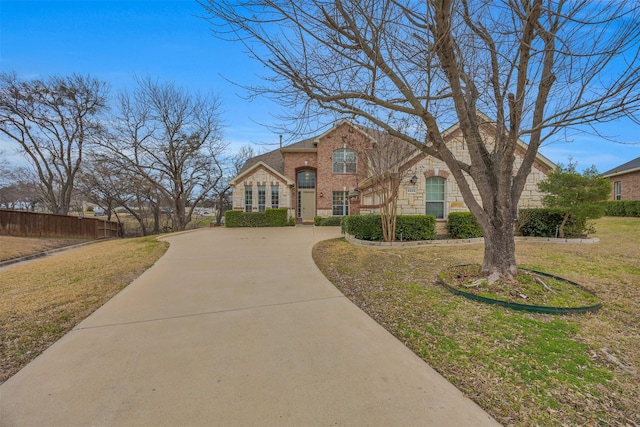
43,299
524,369
16,247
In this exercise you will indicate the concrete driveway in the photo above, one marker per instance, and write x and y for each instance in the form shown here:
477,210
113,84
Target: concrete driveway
233,327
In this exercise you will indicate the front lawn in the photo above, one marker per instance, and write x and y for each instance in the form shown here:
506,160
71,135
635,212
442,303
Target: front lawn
42,300
524,369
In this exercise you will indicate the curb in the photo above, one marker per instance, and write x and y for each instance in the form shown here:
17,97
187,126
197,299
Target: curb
43,254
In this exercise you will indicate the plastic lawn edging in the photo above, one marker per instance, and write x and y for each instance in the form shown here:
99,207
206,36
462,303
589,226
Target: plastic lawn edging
527,307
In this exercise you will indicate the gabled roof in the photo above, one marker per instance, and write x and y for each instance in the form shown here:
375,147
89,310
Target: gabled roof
273,159
519,143
257,165
631,166
311,144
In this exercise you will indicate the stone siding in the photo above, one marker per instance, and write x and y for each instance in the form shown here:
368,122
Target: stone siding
261,176
412,198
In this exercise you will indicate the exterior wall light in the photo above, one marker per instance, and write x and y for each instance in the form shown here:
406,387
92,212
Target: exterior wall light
414,179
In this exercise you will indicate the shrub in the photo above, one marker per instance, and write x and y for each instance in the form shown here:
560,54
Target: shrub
415,227
363,227
408,227
614,208
276,217
232,218
463,225
292,221
327,222
254,219
632,208
245,219
622,208
545,222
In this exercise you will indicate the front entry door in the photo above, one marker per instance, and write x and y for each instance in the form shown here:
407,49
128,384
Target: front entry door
308,200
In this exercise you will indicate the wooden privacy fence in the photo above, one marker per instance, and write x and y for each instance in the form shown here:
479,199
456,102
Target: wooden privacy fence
35,224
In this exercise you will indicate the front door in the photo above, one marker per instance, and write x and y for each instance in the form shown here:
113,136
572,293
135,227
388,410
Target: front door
308,202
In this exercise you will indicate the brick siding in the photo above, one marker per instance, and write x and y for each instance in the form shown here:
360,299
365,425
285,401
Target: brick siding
630,183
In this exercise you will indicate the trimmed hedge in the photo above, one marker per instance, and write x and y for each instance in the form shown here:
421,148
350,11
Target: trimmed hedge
276,217
268,218
408,227
463,225
544,222
622,208
328,221
415,227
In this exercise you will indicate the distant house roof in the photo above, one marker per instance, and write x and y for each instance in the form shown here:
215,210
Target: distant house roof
630,166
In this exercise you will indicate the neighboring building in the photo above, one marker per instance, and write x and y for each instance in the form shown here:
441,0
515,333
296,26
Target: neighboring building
625,181
327,175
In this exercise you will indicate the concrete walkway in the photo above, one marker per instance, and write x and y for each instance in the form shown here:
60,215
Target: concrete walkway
233,327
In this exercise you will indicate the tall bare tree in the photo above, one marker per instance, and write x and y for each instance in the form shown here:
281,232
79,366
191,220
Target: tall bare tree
222,191
173,139
53,121
537,67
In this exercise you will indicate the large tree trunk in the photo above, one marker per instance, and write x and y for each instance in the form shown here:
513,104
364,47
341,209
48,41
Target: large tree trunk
499,248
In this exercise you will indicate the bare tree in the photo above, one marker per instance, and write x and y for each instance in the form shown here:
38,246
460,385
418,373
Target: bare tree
53,120
537,67
389,164
222,191
173,139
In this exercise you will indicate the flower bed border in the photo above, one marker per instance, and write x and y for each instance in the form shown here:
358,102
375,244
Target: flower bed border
527,307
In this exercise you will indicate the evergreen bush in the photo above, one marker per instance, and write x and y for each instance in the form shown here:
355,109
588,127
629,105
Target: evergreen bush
276,217
544,222
408,227
463,225
328,221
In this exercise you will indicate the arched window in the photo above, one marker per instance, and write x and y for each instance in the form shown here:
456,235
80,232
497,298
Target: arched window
306,179
435,196
344,161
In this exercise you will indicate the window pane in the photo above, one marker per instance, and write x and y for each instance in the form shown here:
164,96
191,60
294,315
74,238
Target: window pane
275,196
262,198
436,209
340,203
344,161
435,196
248,198
435,188
306,179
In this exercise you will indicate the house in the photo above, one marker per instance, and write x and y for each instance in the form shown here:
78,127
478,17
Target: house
625,180
327,175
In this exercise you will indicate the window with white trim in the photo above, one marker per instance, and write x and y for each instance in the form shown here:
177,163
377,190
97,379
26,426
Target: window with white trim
262,198
617,190
275,196
344,161
248,198
340,203
435,186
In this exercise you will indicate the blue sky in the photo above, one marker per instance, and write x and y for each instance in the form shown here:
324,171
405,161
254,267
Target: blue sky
114,40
